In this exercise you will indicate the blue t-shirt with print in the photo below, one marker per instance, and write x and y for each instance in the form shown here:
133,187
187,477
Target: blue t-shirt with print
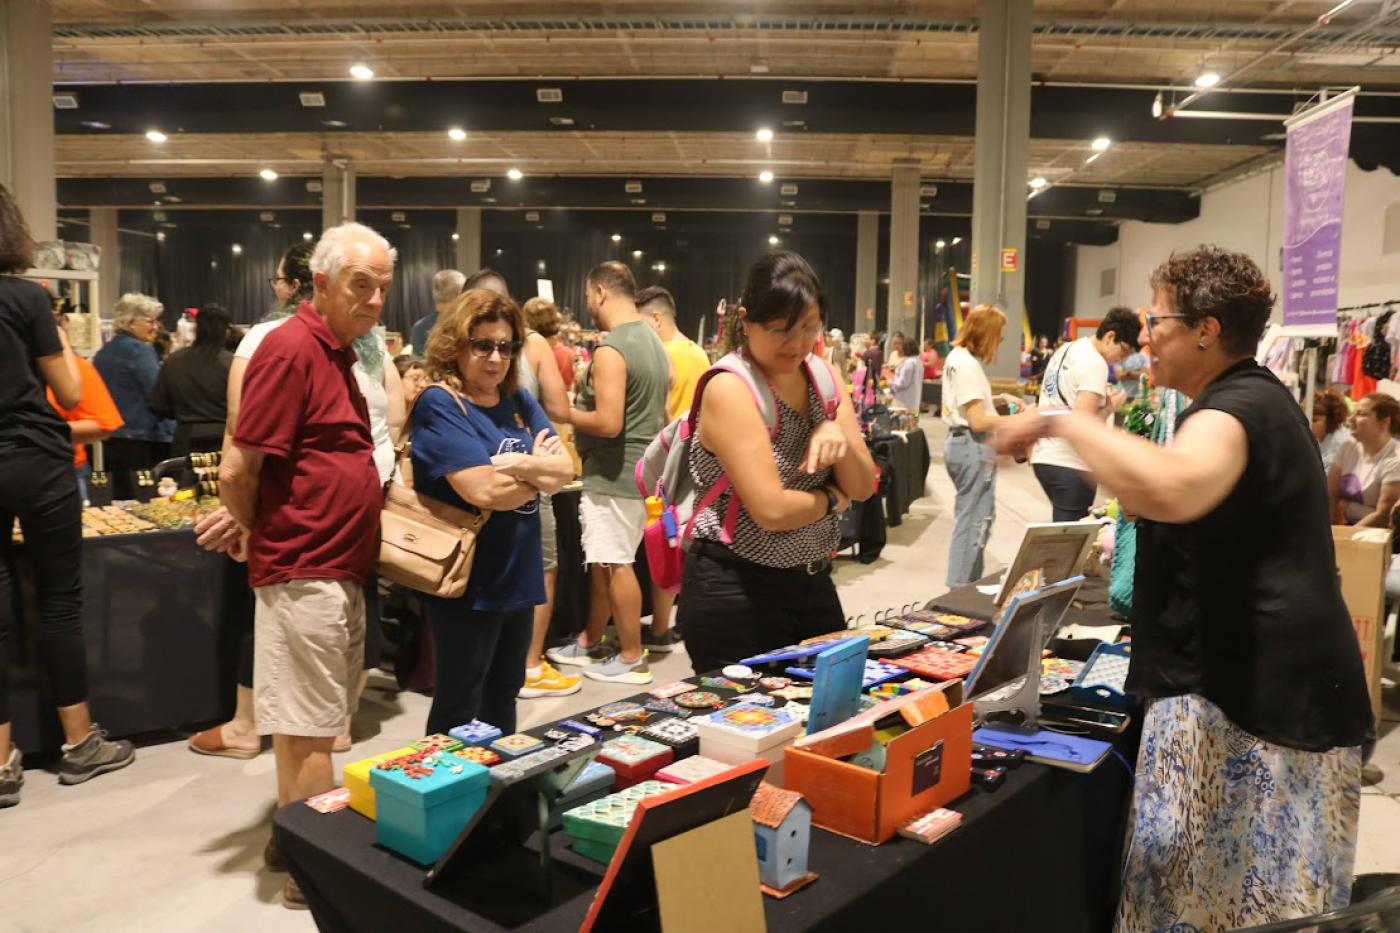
509,569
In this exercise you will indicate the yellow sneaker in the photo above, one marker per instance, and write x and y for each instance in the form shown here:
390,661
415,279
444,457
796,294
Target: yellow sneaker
549,683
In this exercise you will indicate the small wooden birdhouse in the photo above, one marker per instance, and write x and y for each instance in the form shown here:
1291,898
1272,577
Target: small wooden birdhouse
782,831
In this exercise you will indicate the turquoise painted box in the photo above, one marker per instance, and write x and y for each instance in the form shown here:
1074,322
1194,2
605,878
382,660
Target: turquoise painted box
419,817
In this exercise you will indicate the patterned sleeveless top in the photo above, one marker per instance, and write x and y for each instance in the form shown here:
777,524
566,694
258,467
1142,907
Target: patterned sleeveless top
779,549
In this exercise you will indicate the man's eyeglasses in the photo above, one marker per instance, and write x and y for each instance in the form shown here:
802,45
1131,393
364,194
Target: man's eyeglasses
278,278
482,348
1154,318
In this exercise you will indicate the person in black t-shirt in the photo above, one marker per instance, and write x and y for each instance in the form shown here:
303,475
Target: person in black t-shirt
193,386
1248,781
38,486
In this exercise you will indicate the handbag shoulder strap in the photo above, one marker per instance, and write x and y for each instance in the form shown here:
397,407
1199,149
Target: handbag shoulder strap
401,449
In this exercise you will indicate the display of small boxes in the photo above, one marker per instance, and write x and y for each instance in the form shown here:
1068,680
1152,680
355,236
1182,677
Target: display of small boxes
692,769
744,732
593,783
595,829
634,759
419,816
516,744
356,777
475,732
437,743
680,734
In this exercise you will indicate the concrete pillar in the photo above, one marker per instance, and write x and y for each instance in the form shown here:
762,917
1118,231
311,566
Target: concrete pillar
337,193
904,250
26,113
999,175
102,232
468,239
867,267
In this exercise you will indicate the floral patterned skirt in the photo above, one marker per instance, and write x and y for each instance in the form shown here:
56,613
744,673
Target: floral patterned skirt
1230,831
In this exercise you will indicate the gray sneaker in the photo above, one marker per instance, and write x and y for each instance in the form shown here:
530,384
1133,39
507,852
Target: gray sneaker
617,671
576,655
11,779
92,756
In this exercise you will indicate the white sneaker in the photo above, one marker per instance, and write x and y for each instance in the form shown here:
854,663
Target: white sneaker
549,683
575,655
617,671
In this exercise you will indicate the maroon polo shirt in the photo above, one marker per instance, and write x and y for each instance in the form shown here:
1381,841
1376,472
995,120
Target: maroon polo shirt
318,492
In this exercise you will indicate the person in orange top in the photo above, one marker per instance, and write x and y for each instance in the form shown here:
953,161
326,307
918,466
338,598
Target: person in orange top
91,420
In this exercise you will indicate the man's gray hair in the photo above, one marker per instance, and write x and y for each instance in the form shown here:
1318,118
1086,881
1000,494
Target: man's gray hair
447,284
333,250
134,306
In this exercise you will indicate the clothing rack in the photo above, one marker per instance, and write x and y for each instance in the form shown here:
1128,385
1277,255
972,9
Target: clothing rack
1375,304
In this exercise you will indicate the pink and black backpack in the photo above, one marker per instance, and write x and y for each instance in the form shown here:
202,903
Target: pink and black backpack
664,470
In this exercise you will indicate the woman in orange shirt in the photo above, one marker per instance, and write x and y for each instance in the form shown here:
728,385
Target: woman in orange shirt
93,419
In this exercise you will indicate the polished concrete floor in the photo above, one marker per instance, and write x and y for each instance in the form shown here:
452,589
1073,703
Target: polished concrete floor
174,843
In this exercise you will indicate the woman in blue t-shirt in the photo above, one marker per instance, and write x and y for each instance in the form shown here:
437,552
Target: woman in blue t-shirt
480,441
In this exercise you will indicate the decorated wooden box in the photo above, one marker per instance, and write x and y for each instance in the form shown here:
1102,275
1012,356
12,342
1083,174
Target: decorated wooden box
634,759
594,782
423,807
475,732
595,829
744,732
356,778
692,769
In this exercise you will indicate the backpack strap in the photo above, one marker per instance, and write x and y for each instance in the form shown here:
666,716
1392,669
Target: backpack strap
823,378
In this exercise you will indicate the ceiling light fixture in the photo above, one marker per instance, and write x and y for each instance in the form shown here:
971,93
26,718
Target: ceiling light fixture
456,236
617,238
237,250
764,135
1093,158
96,125
939,245
1038,182
515,174
306,235
1157,106
268,174
456,134
1207,79
1101,143
160,236
636,254
361,72
156,136
765,176
957,240
773,240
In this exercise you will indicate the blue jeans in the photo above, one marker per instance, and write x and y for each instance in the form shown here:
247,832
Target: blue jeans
971,466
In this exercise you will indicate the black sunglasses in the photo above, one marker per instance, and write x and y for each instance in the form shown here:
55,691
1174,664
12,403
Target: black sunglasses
482,347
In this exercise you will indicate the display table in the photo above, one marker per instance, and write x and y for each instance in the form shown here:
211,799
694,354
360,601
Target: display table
1041,852
159,651
1090,606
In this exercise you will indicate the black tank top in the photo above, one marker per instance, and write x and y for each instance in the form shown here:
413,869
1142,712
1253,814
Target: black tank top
1243,606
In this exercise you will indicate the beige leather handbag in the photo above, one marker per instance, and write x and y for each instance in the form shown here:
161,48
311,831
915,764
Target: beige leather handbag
424,544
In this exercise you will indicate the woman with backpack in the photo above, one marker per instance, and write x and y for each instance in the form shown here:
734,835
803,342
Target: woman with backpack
758,573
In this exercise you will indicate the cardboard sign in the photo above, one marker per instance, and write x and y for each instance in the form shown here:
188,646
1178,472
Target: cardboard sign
1363,557
1010,259
710,872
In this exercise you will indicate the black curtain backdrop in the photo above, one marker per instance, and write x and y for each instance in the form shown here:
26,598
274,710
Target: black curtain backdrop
706,258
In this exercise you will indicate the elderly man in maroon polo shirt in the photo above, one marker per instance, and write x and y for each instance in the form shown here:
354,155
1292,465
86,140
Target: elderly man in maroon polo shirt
300,482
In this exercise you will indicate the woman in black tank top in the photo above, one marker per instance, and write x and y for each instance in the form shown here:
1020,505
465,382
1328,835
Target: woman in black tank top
1248,781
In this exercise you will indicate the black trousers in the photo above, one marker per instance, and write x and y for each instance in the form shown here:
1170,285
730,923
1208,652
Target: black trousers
735,609
480,663
1071,492
42,491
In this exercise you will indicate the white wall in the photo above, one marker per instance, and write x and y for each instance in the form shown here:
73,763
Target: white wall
1248,216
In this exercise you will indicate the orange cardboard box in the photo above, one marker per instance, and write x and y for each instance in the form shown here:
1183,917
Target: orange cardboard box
926,767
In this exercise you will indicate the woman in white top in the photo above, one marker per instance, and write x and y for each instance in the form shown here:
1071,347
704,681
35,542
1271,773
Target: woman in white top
970,413
379,382
1363,483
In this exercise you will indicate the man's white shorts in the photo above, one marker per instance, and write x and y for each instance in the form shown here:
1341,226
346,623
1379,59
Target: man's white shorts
612,527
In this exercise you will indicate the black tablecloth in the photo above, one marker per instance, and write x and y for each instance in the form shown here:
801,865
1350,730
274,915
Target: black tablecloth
904,460
159,651
1040,853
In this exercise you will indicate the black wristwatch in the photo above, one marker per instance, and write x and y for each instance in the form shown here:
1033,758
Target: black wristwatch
831,500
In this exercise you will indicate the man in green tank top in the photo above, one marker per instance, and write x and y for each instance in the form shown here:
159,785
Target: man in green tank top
619,410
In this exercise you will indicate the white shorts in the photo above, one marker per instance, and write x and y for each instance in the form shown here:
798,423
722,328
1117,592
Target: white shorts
612,527
308,649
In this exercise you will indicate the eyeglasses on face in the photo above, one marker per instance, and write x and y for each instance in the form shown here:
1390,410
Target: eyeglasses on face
279,278
1154,318
808,332
482,347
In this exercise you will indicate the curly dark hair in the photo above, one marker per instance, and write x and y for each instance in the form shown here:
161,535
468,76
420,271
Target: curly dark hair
1212,282
16,245
1330,407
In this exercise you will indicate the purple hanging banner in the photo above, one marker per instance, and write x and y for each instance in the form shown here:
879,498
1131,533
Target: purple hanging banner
1314,170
